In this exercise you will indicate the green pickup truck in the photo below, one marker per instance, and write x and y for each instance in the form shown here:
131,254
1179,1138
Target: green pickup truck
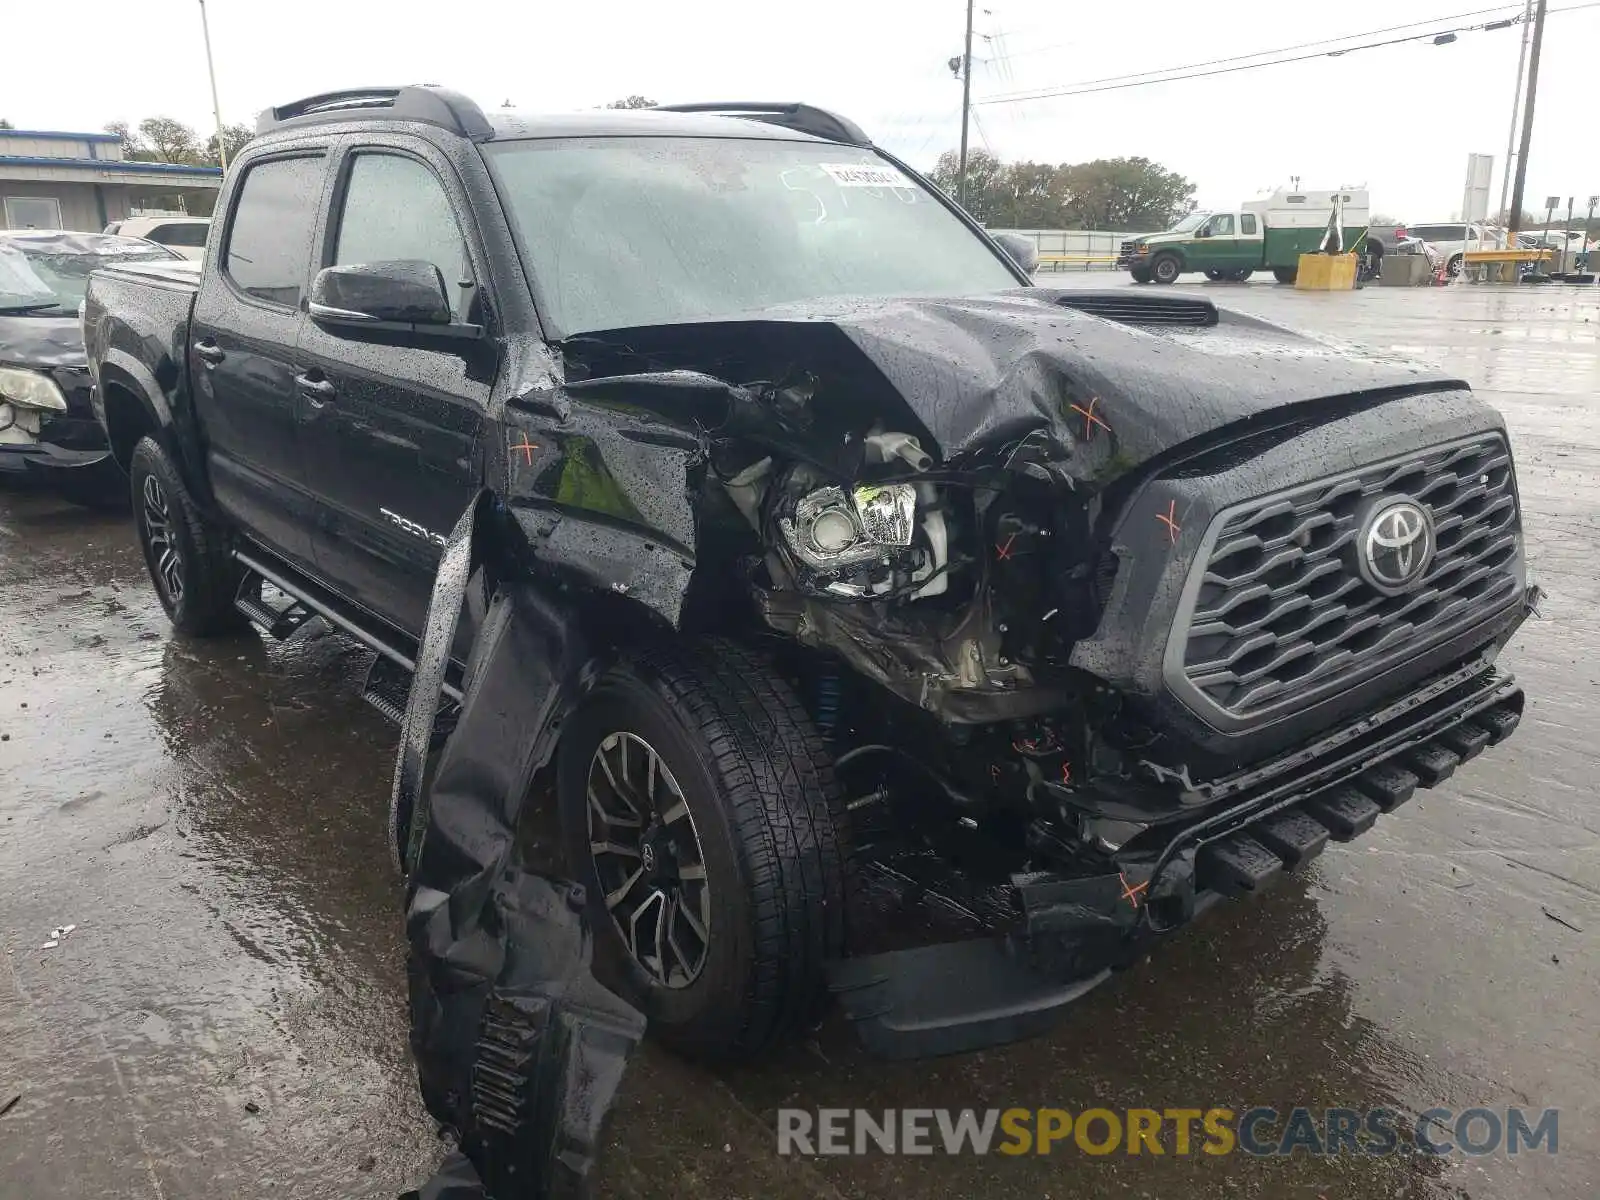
1269,233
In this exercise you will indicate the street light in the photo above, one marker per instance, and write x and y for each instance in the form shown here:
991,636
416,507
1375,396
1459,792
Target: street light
211,70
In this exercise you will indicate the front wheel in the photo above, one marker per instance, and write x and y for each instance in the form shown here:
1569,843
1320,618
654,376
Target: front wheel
1285,274
1140,274
1166,268
194,577
699,810
1453,267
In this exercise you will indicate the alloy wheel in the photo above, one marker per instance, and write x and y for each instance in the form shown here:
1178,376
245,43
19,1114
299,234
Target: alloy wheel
165,557
649,861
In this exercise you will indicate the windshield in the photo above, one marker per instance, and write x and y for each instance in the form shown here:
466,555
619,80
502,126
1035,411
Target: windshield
624,231
1190,223
49,272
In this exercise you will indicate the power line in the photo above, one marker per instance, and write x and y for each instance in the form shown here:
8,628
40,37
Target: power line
1279,50
1193,71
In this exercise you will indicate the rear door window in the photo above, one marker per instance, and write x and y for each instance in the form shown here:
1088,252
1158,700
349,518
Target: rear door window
268,252
1247,223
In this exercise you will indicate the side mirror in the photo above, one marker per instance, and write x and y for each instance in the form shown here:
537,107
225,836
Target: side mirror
1203,231
406,292
1019,250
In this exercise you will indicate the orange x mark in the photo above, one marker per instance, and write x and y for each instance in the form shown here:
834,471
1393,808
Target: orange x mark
527,448
1131,893
1004,552
1090,420
1170,520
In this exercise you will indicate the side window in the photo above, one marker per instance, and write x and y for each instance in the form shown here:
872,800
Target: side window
396,208
269,243
1222,225
1247,223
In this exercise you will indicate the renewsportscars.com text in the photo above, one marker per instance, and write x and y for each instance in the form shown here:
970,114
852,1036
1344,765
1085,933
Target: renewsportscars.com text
1260,1131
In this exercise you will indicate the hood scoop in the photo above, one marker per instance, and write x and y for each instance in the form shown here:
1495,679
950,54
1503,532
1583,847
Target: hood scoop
1135,309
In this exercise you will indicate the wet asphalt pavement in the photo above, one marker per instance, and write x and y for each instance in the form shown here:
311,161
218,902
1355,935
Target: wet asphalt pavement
227,1018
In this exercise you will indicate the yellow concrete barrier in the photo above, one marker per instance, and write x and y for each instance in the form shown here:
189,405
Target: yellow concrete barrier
1326,273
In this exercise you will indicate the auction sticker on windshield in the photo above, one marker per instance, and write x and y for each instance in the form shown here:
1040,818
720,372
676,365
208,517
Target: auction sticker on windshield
865,175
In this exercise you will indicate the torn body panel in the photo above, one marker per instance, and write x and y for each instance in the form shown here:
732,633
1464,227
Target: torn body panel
519,1049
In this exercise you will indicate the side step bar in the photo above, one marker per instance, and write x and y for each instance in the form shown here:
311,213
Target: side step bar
307,602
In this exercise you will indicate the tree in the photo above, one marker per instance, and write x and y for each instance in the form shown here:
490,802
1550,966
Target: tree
5,124
632,102
1127,193
1116,193
234,138
170,140
986,194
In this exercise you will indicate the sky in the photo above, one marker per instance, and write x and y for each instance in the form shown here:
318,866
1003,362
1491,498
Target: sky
1401,119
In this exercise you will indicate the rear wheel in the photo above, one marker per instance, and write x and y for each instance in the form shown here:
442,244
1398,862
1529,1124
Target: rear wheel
1140,274
1285,274
1243,274
1217,276
1166,268
194,577
699,810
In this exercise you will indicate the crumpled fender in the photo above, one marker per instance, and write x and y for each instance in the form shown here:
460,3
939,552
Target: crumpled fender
519,1049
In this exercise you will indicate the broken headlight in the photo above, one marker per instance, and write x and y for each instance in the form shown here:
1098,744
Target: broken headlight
832,530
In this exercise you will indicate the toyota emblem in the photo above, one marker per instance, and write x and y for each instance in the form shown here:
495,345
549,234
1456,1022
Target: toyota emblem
1395,547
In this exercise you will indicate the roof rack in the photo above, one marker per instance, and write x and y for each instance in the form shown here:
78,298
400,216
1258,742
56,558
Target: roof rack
805,118
425,103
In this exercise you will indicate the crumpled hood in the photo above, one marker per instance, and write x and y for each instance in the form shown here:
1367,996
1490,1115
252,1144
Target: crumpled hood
982,371
1094,397
39,340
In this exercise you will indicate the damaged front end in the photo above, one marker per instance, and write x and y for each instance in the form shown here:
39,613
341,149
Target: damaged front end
1067,581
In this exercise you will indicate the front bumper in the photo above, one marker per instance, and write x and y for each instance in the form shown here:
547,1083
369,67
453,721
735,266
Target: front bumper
64,441
1058,936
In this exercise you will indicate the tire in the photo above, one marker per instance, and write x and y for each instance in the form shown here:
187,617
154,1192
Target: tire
1243,274
1166,268
1285,274
195,579
762,827
1452,268
1140,274
1217,276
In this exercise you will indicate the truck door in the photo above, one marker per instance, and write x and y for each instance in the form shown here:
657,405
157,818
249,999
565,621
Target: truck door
1218,243
1251,245
247,320
390,421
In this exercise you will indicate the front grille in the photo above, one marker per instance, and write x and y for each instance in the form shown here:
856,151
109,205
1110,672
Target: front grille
1282,610
1128,248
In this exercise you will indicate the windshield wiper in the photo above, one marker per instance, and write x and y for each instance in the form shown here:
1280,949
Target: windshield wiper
15,309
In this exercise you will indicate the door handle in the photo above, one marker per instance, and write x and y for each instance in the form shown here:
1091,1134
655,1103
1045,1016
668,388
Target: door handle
318,391
209,351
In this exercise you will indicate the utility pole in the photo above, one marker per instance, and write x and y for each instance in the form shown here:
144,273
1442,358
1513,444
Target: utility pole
1516,102
966,103
1527,120
216,107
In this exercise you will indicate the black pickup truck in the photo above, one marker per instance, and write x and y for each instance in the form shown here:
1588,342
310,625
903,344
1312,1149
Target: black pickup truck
879,622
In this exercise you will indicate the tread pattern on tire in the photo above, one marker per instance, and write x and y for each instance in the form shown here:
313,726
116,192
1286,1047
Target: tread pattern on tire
211,580
788,818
